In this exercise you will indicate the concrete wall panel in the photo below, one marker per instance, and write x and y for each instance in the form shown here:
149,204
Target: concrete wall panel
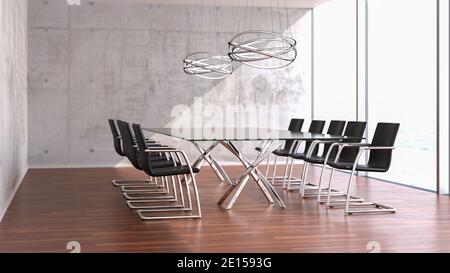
124,61
13,98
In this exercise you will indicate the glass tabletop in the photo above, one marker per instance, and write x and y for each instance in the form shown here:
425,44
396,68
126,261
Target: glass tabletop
242,134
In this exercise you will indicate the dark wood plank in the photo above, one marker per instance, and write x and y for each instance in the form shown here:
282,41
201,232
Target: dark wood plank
56,206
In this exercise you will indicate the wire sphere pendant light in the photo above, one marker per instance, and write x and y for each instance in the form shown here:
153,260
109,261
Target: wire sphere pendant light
267,45
208,64
265,49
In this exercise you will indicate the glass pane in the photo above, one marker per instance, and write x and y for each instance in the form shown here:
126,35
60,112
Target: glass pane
335,60
444,99
402,85
242,134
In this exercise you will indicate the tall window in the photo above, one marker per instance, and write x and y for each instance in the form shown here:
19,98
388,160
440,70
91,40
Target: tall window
402,84
335,60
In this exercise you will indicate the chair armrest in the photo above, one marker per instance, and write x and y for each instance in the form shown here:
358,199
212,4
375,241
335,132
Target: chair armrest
172,150
295,146
367,148
370,148
344,144
319,142
157,149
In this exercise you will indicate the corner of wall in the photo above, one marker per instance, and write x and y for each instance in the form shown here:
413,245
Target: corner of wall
4,207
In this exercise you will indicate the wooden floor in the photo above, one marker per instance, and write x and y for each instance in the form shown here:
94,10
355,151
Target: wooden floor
53,207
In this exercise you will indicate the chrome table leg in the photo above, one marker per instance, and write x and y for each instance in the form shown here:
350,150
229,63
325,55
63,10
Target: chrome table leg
257,176
235,190
206,156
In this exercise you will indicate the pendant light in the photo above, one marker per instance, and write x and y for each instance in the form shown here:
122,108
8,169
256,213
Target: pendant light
208,64
264,49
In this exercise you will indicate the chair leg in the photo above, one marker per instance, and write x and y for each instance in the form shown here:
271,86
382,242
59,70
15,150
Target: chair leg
329,188
379,208
143,189
197,196
120,183
144,203
303,183
163,196
333,193
319,193
162,189
187,181
289,179
151,182
181,190
267,166
286,170
188,191
274,170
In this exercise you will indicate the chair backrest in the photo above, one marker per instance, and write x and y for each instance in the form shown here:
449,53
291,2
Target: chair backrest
116,137
353,129
384,136
336,128
142,156
316,127
128,144
296,125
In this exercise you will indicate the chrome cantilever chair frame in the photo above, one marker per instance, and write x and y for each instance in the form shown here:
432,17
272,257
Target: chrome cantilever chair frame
120,183
330,191
309,186
334,193
295,125
349,200
162,196
276,180
289,180
315,127
380,208
148,188
187,181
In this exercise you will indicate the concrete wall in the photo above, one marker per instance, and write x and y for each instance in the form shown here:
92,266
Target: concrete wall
13,98
97,61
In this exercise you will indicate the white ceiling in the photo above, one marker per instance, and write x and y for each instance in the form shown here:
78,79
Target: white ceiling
256,3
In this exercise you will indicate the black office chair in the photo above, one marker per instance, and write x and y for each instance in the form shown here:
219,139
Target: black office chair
295,125
316,127
180,167
335,128
354,129
117,141
129,147
379,161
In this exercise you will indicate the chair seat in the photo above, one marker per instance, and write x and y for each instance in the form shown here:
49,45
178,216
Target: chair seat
178,170
284,153
298,156
162,163
317,159
157,158
361,168
153,144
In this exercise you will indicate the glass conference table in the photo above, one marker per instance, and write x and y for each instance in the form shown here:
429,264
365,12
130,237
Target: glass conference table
272,140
